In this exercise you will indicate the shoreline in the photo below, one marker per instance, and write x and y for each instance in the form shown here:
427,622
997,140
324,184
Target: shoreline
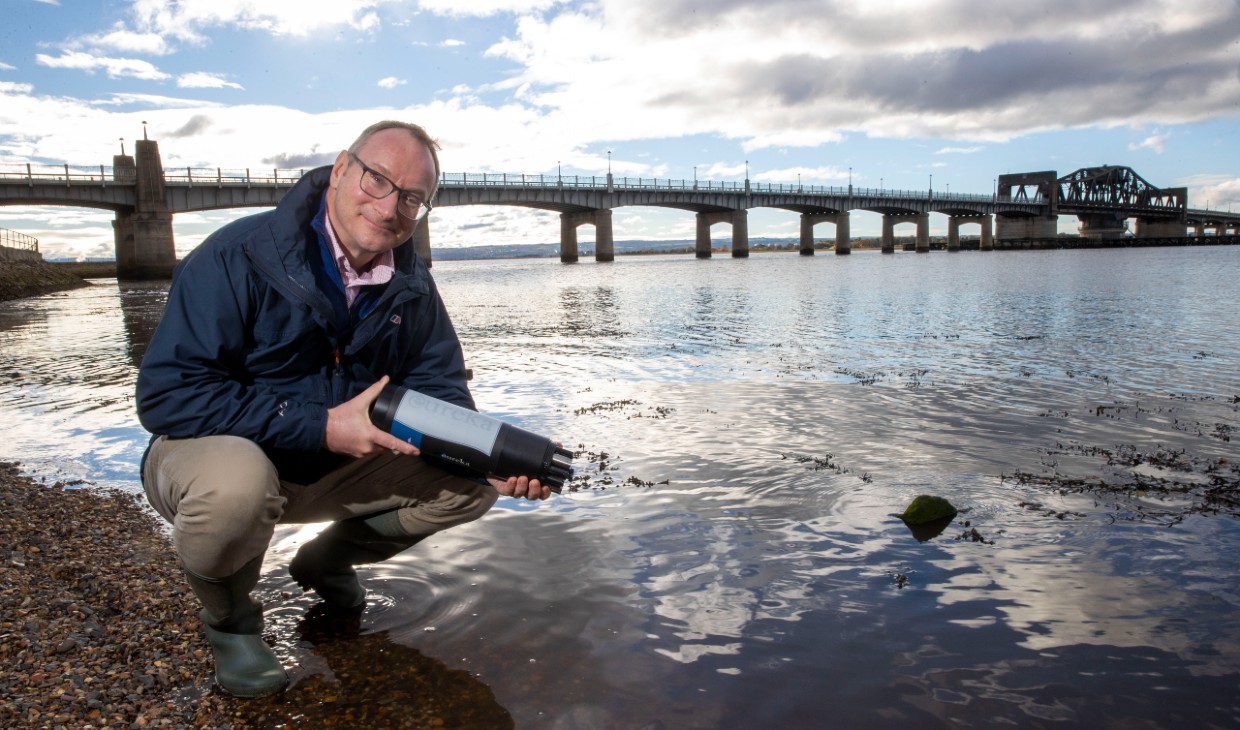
100,628
21,279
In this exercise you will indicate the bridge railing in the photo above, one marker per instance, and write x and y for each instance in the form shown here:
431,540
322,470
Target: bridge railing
219,176
68,174
17,240
599,182
201,176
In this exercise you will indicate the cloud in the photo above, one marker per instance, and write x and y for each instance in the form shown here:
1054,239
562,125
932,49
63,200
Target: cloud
1219,192
486,8
1156,142
151,101
10,87
800,72
114,67
451,43
959,150
193,127
188,20
6,67
204,80
391,82
302,161
807,175
126,41
64,233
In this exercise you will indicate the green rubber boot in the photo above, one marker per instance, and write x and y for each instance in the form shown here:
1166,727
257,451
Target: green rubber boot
244,665
325,564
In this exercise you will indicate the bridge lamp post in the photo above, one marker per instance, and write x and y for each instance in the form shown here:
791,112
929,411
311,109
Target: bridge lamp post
122,139
608,162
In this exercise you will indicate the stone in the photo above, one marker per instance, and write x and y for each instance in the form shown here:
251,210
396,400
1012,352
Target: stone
926,508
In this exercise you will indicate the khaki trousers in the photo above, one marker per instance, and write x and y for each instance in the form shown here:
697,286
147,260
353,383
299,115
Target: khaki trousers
224,498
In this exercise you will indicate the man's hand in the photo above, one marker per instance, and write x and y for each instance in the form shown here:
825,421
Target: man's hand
520,487
349,430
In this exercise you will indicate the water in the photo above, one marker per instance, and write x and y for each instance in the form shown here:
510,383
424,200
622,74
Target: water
746,430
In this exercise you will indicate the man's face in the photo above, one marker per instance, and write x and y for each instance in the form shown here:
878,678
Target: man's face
366,226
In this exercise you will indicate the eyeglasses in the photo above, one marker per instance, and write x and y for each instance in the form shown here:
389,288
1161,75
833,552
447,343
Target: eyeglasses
378,186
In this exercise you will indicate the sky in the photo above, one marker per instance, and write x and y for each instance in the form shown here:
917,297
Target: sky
902,94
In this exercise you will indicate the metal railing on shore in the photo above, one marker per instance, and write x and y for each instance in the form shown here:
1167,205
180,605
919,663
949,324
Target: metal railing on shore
19,241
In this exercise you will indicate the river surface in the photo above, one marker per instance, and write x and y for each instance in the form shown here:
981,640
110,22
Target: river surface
746,430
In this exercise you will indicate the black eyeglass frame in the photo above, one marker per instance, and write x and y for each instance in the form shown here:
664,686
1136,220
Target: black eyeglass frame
424,207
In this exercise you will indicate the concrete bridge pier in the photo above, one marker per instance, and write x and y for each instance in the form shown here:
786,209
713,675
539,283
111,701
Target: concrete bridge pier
144,243
1010,228
843,240
891,220
1103,226
1160,228
604,243
953,231
422,240
740,232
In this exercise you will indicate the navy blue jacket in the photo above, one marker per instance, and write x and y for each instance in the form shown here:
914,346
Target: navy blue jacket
250,345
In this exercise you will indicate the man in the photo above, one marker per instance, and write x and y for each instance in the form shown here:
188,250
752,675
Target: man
280,331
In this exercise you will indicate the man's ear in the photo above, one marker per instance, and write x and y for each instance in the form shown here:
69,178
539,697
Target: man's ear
339,166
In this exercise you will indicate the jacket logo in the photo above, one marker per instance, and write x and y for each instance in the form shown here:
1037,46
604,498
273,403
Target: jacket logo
394,319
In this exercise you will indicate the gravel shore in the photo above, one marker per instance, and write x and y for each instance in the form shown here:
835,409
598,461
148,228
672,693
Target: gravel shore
97,626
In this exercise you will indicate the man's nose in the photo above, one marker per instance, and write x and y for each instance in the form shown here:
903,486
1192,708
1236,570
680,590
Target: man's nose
388,205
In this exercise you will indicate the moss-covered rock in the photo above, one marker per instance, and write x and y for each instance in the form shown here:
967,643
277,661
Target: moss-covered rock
926,508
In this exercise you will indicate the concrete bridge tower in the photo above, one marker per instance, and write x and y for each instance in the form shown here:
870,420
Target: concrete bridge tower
144,243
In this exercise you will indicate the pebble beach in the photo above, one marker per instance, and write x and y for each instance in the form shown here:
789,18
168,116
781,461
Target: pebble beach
98,629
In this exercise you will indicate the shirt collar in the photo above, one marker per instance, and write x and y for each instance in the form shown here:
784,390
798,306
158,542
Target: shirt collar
381,269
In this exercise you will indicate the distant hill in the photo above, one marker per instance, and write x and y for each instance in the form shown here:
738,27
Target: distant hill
551,250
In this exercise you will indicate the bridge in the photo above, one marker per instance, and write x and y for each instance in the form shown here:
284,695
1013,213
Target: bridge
144,196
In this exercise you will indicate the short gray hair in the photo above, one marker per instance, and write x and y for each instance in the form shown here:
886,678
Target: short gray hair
418,133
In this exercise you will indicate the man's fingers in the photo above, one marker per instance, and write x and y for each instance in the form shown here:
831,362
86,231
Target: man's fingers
371,393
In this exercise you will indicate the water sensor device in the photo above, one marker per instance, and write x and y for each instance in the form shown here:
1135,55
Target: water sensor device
470,439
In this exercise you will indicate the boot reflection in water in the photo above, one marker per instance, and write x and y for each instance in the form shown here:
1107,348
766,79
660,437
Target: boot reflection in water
325,565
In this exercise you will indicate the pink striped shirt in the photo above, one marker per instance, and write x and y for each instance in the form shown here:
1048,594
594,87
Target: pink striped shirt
380,272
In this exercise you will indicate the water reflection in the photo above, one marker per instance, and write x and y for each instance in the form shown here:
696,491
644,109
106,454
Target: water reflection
746,431
142,304
348,678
